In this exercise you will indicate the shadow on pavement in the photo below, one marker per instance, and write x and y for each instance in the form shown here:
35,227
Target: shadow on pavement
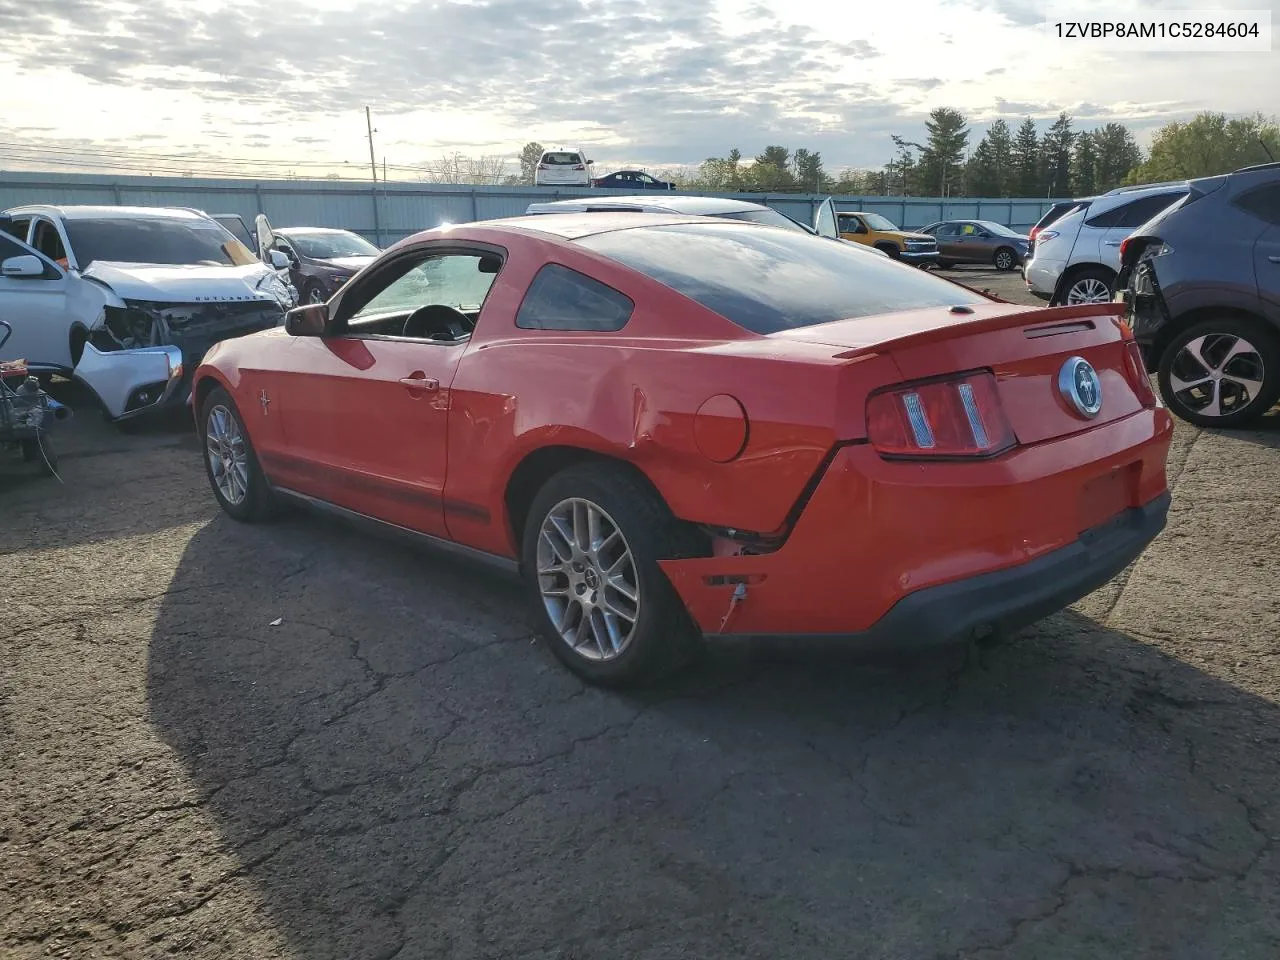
400,771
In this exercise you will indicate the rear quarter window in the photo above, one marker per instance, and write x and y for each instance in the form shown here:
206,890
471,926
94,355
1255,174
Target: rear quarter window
1263,202
560,298
768,280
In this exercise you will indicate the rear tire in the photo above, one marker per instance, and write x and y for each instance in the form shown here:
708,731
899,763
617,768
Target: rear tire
602,636
1247,382
238,483
1005,259
1091,285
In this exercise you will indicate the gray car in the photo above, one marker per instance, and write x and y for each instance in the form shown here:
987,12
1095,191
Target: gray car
1202,284
978,241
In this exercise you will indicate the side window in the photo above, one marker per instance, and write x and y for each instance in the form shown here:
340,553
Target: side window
1262,202
47,241
564,299
18,228
947,230
8,248
454,280
1136,212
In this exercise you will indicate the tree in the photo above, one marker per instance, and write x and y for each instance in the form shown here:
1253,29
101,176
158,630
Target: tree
1024,161
981,177
809,174
1117,155
944,153
901,172
771,171
529,158
1001,141
1084,166
1056,150
1207,145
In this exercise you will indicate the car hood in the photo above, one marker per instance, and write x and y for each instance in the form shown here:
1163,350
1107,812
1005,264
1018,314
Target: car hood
907,235
354,264
187,283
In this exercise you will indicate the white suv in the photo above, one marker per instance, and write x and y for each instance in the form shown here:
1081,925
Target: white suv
128,299
562,167
1077,257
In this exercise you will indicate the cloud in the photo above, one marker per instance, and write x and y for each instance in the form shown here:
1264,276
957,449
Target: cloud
663,82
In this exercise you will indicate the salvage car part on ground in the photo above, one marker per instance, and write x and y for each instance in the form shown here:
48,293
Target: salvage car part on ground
26,412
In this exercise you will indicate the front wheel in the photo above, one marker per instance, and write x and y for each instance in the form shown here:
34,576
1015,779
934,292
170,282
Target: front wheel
238,483
1221,373
592,541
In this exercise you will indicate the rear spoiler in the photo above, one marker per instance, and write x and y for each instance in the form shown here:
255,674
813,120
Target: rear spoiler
1038,321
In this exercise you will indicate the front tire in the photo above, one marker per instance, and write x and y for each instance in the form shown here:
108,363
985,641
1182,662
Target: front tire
1221,373
591,546
890,249
238,483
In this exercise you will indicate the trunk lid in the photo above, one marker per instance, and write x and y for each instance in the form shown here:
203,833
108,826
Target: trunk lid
1026,348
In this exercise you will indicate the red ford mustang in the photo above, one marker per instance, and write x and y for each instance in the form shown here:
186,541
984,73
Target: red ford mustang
674,427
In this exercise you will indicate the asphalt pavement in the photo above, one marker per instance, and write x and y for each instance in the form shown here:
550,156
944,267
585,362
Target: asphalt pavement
297,741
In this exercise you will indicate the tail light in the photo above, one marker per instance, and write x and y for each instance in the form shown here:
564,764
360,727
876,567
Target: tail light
1046,235
579,167
543,166
1136,368
959,417
1124,246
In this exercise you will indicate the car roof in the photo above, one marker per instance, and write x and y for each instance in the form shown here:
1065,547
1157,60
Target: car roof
108,212
701,206
575,225
285,231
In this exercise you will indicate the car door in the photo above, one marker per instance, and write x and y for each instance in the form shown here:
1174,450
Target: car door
1264,203
35,305
826,220
365,409
948,249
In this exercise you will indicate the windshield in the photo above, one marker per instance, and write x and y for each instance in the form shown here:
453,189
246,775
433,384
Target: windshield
999,229
877,222
771,280
330,246
769,217
162,240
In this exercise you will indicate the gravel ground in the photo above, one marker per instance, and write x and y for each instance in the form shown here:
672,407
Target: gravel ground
294,741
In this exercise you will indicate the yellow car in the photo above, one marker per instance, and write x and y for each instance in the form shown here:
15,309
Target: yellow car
876,231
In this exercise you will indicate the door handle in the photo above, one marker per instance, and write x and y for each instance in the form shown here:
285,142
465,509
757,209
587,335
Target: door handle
1113,243
420,381
1274,259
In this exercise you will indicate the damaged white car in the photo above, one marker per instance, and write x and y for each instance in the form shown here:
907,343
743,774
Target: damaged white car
128,299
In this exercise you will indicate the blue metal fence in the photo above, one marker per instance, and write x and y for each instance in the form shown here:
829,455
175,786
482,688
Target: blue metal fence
388,212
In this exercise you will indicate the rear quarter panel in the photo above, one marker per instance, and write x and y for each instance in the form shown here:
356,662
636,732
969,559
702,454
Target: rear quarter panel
634,395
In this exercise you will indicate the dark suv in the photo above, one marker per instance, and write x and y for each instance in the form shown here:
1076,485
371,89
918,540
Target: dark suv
1202,283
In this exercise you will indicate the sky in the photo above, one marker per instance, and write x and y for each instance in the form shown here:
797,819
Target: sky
655,83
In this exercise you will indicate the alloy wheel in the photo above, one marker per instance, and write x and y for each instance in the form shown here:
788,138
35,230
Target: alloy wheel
228,458
588,580
1217,374
1089,290
1004,260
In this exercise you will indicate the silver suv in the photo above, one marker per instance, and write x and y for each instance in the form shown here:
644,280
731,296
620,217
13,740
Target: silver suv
1076,259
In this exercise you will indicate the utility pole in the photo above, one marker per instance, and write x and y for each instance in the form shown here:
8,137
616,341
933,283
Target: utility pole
373,168
384,169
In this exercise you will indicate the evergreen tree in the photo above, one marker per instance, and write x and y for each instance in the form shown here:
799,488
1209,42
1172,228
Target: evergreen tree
1084,166
1056,151
1024,161
1001,143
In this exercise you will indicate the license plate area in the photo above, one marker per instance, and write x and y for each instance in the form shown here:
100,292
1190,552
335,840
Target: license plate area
1102,498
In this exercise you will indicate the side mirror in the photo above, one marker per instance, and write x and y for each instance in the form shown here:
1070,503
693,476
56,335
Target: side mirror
309,320
25,265
279,259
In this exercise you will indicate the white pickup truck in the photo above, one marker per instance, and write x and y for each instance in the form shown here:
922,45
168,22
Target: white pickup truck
128,299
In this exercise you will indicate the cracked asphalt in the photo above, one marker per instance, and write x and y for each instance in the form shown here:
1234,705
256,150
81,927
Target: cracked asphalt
395,769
